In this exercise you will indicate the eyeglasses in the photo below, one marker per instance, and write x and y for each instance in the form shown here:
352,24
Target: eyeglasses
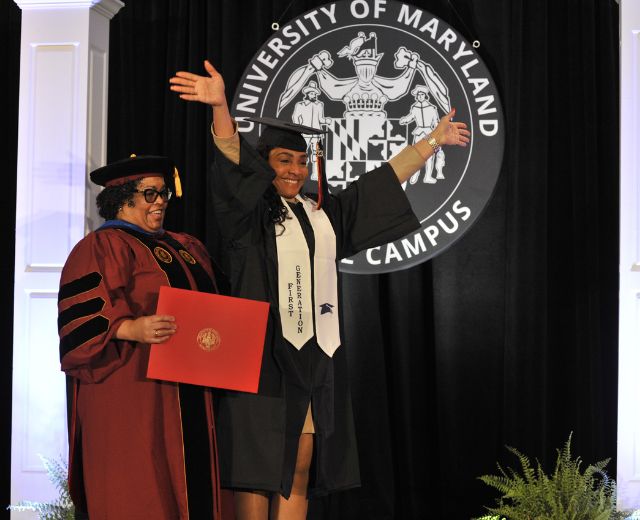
151,194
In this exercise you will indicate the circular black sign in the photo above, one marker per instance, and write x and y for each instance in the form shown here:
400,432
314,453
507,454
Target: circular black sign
378,75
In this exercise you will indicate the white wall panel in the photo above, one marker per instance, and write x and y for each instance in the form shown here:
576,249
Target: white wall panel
50,160
43,379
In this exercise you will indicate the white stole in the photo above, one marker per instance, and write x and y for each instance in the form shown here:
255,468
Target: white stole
294,280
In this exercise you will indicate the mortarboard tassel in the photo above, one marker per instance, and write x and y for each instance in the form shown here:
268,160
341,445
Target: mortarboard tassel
177,183
319,165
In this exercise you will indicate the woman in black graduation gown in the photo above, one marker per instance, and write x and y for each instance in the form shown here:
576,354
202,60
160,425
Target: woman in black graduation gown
278,246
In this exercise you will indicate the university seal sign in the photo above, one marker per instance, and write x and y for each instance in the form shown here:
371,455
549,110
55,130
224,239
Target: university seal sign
378,75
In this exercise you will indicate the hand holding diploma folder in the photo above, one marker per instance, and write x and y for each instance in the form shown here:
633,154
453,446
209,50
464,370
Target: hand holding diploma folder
218,343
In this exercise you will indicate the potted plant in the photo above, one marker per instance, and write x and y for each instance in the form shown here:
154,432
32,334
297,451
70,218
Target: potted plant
568,493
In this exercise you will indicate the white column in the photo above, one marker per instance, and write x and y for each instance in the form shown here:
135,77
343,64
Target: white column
61,136
629,351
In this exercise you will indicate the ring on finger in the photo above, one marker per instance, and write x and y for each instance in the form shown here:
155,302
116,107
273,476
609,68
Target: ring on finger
155,332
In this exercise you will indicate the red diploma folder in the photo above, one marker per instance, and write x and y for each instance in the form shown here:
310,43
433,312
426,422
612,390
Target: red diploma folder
218,342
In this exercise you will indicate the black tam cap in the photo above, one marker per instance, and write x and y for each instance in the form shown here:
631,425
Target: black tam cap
137,167
283,134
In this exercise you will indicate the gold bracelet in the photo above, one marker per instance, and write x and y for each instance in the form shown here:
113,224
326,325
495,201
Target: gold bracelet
433,143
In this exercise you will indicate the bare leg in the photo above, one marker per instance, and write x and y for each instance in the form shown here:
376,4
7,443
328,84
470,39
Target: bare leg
296,507
251,505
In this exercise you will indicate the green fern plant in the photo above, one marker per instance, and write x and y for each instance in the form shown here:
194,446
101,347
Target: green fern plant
566,494
60,509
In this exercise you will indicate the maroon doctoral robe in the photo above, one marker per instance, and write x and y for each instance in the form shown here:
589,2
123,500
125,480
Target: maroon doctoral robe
139,448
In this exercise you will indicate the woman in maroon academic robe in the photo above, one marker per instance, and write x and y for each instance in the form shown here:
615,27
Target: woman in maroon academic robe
281,247
139,448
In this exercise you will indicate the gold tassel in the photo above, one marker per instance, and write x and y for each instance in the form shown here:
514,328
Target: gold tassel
176,181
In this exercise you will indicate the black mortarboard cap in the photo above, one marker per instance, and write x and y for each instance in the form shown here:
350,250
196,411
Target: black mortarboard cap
283,134
136,167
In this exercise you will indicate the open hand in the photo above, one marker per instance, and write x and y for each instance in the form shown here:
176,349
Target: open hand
451,132
205,89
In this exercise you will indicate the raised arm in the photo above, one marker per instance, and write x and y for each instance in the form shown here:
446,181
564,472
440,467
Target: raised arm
447,133
208,90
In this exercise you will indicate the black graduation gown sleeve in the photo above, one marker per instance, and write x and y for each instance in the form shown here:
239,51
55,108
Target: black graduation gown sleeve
372,211
238,188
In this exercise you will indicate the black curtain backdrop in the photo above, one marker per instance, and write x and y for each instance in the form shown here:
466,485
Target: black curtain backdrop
510,336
